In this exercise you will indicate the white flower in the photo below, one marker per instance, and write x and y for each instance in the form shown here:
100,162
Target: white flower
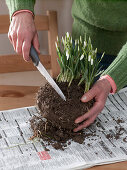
91,61
82,56
75,42
78,48
84,43
67,34
57,38
63,40
80,39
67,55
56,45
89,57
95,50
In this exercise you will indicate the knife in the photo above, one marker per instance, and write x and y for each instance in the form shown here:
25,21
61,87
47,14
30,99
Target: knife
36,61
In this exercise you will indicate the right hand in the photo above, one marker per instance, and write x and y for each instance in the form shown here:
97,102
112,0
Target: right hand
99,92
22,33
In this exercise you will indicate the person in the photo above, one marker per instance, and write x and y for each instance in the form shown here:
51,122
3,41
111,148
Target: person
104,21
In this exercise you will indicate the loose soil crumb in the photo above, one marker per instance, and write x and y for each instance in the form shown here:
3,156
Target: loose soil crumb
56,121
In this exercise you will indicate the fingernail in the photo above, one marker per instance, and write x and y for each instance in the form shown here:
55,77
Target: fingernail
77,121
83,98
74,130
26,60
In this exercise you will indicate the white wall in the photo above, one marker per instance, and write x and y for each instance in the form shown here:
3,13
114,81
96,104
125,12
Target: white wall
63,7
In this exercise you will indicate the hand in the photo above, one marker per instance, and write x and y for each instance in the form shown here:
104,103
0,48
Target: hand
22,33
99,92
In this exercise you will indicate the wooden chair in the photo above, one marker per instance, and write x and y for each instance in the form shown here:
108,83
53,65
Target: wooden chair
15,63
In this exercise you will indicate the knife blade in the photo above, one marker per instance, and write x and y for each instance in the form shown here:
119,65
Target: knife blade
36,61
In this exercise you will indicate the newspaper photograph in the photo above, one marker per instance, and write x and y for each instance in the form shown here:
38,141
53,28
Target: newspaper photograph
105,140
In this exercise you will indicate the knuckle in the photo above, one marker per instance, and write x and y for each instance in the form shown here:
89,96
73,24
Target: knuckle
13,34
86,124
8,34
96,89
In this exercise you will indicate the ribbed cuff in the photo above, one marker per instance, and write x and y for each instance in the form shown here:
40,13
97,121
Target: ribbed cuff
16,5
23,10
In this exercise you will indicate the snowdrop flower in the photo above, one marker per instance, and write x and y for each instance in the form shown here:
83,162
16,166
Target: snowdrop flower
80,39
89,40
57,38
56,46
84,44
75,42
95,50
91,61
78,48
89,57
63,40
82,56
67,55
67,34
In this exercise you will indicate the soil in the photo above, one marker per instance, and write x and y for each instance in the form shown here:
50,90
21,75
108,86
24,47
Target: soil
55,123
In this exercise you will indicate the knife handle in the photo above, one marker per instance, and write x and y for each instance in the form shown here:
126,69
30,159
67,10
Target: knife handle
34,56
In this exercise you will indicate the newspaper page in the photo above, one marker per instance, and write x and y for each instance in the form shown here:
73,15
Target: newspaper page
105,141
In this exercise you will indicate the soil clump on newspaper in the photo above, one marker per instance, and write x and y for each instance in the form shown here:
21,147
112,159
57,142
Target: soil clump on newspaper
55,122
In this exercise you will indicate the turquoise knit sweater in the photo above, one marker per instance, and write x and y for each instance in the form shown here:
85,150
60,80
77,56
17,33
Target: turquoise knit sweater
105,21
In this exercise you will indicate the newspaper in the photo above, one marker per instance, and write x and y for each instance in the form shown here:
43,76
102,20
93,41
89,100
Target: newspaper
105,141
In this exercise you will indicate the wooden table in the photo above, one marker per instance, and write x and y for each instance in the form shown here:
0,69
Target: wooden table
17,96
12,97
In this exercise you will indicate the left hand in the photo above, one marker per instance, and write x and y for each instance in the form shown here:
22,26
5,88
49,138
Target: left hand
100,92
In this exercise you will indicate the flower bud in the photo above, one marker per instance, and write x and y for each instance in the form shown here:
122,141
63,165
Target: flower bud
89,57
67,55
67,34
84,44
56,45
80,39
78,48
62,40
91,61
82,56
57,38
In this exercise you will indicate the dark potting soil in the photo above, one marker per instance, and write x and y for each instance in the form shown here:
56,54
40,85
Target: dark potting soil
56,121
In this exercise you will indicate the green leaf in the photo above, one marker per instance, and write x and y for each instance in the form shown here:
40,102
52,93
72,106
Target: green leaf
83,77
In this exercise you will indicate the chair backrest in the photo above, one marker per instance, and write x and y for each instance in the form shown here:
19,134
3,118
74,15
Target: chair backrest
15,63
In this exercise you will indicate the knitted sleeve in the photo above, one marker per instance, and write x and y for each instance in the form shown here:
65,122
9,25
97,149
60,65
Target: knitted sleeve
118,69
16,5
